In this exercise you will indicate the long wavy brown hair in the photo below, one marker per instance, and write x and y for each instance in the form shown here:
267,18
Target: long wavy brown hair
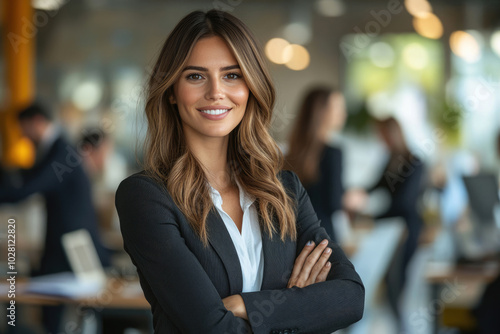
305,143
253,156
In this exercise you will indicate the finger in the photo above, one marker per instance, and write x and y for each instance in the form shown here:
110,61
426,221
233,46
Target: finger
299,261
311,260
320,264
324,273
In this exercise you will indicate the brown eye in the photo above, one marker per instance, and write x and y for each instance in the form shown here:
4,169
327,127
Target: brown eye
233,76
194,76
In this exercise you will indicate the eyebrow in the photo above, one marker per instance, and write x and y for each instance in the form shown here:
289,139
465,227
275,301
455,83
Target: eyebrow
204,69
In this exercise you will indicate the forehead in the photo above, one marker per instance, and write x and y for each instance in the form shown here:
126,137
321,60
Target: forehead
211,52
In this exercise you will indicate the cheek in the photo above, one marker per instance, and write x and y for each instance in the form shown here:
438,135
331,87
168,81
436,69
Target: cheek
186,96
240,95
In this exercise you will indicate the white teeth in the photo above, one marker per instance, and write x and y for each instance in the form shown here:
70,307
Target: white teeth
214,111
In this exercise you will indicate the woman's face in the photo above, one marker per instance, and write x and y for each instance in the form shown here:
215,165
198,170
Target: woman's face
211,93
336,112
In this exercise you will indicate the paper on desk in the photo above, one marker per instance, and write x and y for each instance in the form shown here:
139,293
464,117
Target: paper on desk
63,284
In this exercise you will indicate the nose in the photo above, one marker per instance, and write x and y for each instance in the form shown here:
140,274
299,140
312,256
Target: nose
215,90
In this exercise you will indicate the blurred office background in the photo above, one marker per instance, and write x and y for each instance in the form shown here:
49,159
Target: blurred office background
434,66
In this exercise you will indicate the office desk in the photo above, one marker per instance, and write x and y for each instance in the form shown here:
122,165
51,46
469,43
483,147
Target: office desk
117,293
449,282
118,297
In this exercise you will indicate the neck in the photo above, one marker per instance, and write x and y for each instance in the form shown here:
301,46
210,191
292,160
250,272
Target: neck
212,154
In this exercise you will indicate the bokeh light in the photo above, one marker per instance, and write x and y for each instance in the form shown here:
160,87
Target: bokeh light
299,59
298,33
418,8
381,54
495,42
415,56
465,46
330,8
275,50
87,95
429,26
47,4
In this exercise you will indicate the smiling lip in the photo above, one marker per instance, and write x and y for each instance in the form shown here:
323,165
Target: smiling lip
214,112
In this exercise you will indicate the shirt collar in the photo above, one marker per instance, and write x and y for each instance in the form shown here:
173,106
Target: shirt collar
245,199
50,135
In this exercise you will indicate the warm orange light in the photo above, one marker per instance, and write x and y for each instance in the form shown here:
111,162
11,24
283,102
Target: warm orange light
429,26
465,46
418,8
275,50
299,57
22,153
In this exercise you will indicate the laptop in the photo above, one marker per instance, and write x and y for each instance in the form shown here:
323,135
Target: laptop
83,257
87,276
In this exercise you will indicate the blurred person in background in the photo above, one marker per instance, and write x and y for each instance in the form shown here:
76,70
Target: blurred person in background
312,156
402,180
488,309
58,175
95,146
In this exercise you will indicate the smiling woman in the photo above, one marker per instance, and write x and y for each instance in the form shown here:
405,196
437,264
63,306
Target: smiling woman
223,239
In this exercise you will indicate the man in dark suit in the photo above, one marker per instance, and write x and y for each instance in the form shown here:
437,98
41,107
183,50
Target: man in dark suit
58,175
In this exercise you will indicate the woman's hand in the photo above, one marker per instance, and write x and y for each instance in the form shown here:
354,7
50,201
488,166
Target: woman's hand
236,305
311,266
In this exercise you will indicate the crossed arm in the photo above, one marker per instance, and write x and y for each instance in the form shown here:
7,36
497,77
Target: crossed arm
310,267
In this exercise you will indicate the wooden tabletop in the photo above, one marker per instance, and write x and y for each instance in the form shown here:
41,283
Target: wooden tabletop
480,271
117,293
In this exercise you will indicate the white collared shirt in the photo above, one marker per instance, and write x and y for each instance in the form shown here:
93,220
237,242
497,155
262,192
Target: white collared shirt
50,135
248,244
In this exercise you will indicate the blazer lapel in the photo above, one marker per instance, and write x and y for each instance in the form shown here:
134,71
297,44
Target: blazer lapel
278,259
271,250
221,241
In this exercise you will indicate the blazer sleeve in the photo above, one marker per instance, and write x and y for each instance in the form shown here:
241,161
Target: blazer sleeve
149,225
41,179
318,308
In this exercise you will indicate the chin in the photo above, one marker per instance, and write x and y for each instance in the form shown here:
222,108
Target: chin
218,134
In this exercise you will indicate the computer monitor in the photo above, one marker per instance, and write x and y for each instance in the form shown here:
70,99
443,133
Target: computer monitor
482,190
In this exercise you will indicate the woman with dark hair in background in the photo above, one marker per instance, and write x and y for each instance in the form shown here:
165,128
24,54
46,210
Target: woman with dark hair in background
317,163
223,239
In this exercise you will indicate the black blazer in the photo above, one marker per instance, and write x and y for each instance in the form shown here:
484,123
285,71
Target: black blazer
327,191
185,282
60,178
